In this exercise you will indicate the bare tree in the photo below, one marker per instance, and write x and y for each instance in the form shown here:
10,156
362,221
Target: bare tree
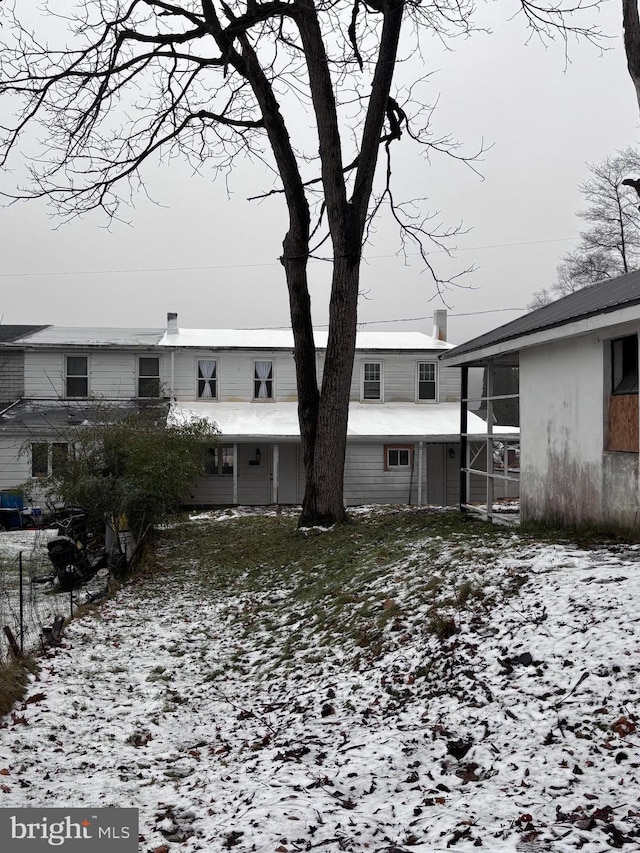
212,80
631,26
610,245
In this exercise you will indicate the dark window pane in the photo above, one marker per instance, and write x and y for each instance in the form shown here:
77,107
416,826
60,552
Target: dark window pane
39,460
77,386
148,387
59,457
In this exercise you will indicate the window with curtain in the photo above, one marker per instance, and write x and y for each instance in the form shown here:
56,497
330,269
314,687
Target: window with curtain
207,379
263,380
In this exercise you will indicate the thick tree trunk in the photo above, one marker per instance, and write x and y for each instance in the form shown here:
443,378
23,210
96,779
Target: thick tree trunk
324,494
294,260
631,25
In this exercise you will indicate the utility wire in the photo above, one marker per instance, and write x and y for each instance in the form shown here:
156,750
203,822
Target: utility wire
270,263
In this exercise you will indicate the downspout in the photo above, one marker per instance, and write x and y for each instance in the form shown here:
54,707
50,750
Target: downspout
172,380
420,448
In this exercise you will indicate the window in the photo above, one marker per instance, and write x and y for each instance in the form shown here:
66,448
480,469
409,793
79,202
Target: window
39,459
263,380
48,458
624,365
623,403
207,379
59,457
426,380
372,380
76,376
399,456
148,376
219,461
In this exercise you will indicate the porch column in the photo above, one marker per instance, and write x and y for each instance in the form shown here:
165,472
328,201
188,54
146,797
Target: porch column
276,472
235,473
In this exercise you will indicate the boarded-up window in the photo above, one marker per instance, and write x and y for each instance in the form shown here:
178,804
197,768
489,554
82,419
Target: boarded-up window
623,404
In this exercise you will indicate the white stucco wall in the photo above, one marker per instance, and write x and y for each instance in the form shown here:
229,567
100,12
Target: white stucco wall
567,475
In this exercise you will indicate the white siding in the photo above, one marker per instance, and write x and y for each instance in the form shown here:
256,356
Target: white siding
11,376
14,466
400,377
44,374
235,373
567,476
112,373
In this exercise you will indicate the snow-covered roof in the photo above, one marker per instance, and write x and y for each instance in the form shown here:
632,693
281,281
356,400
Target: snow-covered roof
379,421
269,339
283,339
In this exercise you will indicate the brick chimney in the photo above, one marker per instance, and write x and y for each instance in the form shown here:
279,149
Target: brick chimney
440,325
172,324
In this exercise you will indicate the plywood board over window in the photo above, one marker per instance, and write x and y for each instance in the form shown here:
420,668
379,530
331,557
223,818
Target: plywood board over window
623,403
623,423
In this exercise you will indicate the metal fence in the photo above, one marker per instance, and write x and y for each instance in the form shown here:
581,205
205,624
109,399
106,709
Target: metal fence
32,608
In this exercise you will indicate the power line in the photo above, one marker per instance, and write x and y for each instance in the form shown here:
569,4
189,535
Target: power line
268,264
396,320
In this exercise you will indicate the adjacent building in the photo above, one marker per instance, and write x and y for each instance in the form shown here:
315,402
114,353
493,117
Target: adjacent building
403,431
578,399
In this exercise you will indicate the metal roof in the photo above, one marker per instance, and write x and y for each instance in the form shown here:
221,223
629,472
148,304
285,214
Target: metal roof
40,417
12,333
271,339
87,336
601,298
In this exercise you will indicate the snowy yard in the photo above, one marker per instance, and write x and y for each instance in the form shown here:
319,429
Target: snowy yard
425,691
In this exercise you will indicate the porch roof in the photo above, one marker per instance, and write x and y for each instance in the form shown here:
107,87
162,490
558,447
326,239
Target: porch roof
393,421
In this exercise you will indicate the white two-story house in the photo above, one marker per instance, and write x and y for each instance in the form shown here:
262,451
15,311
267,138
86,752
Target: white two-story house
403,430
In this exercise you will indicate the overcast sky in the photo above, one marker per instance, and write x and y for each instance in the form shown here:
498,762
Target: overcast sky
211,255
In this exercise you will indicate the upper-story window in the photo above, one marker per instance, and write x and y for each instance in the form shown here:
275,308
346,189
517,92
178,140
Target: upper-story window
263,380
207,378
372,380
427,380
148,376
76,376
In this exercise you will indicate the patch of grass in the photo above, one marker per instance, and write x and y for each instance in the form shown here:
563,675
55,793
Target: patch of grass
14,678
357,586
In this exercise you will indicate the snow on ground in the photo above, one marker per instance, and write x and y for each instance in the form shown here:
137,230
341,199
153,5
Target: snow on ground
515,733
